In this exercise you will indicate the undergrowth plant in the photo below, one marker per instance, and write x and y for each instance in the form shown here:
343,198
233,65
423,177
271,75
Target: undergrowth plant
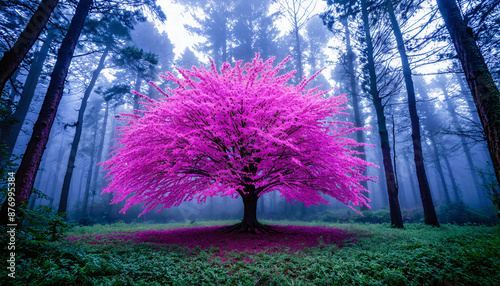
376,255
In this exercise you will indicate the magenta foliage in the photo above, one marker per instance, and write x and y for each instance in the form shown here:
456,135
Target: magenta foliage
289,238
221,132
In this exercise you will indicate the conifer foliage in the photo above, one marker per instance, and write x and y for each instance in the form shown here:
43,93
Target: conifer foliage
242,131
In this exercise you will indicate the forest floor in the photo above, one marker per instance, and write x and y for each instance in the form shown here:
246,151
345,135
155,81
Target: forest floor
299,254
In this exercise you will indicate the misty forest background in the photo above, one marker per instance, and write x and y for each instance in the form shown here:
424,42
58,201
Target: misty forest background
126,44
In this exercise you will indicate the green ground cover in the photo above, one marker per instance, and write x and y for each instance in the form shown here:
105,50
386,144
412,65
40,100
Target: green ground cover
372,254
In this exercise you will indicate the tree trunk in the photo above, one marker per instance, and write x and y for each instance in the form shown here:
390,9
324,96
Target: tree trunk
137,87
429,121
12,58
423,182
249,222
410,175
468,155
109,197
53,182
89,175
440,169
392,189
300,71
10,134
26,173
458,197
472,109
224,38
468,98
78,133
484,91
13,91
80,187
38,182
100,148
250,211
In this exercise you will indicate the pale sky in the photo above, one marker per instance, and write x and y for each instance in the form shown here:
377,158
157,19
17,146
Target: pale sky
177,17
174,26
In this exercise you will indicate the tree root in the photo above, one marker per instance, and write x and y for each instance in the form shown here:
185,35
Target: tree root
249,227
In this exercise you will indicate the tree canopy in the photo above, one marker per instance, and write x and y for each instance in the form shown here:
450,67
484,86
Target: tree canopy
243,131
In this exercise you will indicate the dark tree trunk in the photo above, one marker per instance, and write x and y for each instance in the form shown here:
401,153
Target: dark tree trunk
392,189
249,222
484,91
26,173
423,182
355,98
12,58
78,133
10,134
250,211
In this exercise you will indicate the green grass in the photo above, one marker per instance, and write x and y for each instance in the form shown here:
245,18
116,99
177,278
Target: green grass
417,255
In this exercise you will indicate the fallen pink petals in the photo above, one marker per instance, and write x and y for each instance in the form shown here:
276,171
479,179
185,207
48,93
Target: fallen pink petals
288,238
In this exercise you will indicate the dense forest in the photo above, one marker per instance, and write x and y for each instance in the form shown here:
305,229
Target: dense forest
97,99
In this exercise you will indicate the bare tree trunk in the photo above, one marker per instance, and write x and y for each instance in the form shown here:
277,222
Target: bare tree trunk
78,133
54,180
109,197
423,182
469,100
13,91
300,69
89,175
80,187
458,197
430,125
224,37
137,87
472,168
484,91
410,175
440,169
12,58
100,148
38,182
392,189
26,173
10,134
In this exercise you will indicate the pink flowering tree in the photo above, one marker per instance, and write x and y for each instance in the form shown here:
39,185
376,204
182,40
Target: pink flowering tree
242,131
